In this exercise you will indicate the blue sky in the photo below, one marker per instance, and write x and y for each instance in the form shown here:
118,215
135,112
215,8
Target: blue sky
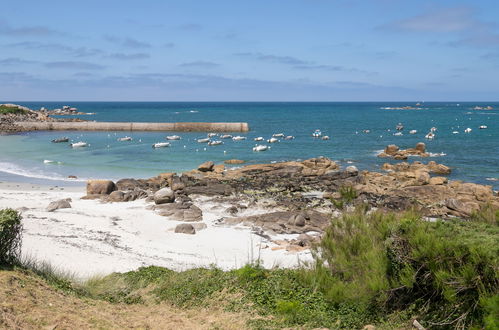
288,50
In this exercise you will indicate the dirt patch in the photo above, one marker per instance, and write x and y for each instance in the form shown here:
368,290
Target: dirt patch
28,302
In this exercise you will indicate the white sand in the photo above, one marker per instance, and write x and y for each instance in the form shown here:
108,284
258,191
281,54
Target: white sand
93,238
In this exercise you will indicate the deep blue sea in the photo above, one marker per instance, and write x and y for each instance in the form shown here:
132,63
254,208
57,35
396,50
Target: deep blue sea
473,156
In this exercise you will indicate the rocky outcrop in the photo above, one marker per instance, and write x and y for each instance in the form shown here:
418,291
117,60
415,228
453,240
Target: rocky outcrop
435,196
286,222
395,152
60,204
15,118
431,167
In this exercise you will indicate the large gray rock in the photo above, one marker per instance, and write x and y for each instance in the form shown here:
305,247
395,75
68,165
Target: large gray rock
60,204
180,211
206,167
163,196
185,228
100,187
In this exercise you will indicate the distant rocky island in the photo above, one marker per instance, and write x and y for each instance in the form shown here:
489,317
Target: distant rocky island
10,114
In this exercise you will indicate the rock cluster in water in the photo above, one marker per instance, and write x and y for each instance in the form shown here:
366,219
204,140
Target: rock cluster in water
395,152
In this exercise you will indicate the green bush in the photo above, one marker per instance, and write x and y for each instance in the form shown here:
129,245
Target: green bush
10,236
446,271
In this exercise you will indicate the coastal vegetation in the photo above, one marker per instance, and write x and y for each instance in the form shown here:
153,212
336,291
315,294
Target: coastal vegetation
10,236
11,109
370,267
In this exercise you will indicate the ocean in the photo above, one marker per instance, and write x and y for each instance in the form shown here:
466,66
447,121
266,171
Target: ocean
472,156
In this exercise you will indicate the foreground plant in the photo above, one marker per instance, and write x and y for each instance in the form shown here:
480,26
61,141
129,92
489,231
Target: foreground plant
445,271
10,236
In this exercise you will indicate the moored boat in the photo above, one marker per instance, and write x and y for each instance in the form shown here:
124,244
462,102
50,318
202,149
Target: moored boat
260,147
161,145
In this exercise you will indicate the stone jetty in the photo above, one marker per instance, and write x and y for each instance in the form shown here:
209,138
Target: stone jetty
124,126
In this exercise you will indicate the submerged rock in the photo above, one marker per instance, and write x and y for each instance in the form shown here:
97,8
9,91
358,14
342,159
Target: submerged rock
234,161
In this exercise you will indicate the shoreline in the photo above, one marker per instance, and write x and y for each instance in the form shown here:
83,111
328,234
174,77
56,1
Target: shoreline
117,237
266,212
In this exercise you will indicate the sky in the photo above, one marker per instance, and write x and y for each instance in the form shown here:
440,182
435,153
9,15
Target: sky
287,50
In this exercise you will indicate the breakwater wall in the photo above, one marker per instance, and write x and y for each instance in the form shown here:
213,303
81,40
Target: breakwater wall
122,126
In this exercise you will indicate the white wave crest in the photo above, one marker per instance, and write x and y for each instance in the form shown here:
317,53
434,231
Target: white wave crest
17,170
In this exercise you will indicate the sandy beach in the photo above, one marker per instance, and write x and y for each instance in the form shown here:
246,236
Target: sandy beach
94,238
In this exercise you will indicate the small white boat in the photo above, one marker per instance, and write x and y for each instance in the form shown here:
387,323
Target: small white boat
468,130
126,138
205,140
260,147
278,135
260,138
430,136
173,137
399,127
289,137
455,132
272,140
161,145
239,138
47,161
79,144
215,143
367,131
226,136
483,127
212,134
413,131
325,137
433,129
317,133
398,134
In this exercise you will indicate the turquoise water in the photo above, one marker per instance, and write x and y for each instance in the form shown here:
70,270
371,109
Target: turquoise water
473,157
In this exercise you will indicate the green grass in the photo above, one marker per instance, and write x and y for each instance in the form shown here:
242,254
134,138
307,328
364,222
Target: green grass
370,268
6,110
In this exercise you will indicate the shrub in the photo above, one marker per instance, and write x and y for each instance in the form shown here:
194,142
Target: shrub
10,236
446,271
